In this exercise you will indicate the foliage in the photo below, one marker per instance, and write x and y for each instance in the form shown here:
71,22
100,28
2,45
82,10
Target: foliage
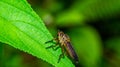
21,28
93,26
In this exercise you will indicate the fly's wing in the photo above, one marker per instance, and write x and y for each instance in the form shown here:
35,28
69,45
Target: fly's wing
71,51
68,38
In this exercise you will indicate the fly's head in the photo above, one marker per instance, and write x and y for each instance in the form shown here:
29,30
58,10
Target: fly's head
60,35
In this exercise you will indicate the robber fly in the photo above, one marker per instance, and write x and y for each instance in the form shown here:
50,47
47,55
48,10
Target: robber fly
63,41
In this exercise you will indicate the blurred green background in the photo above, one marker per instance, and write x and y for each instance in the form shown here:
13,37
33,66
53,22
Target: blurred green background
93,26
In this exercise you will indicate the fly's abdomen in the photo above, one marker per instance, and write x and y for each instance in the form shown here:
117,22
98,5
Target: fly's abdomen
71,52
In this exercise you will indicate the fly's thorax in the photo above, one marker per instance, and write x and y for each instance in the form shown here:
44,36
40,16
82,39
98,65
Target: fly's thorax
63,38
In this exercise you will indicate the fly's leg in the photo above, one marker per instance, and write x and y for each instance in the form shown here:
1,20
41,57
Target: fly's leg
57,47
52,46
61,55
52,41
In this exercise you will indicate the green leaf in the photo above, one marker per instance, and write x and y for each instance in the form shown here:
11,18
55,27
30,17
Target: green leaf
21,28
81,11
69,17
94,9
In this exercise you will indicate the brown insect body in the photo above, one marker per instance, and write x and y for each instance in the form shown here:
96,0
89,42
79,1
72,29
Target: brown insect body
64,41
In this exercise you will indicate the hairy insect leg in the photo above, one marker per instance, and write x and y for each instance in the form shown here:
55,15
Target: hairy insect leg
52,46
52,40
61,55
57,47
